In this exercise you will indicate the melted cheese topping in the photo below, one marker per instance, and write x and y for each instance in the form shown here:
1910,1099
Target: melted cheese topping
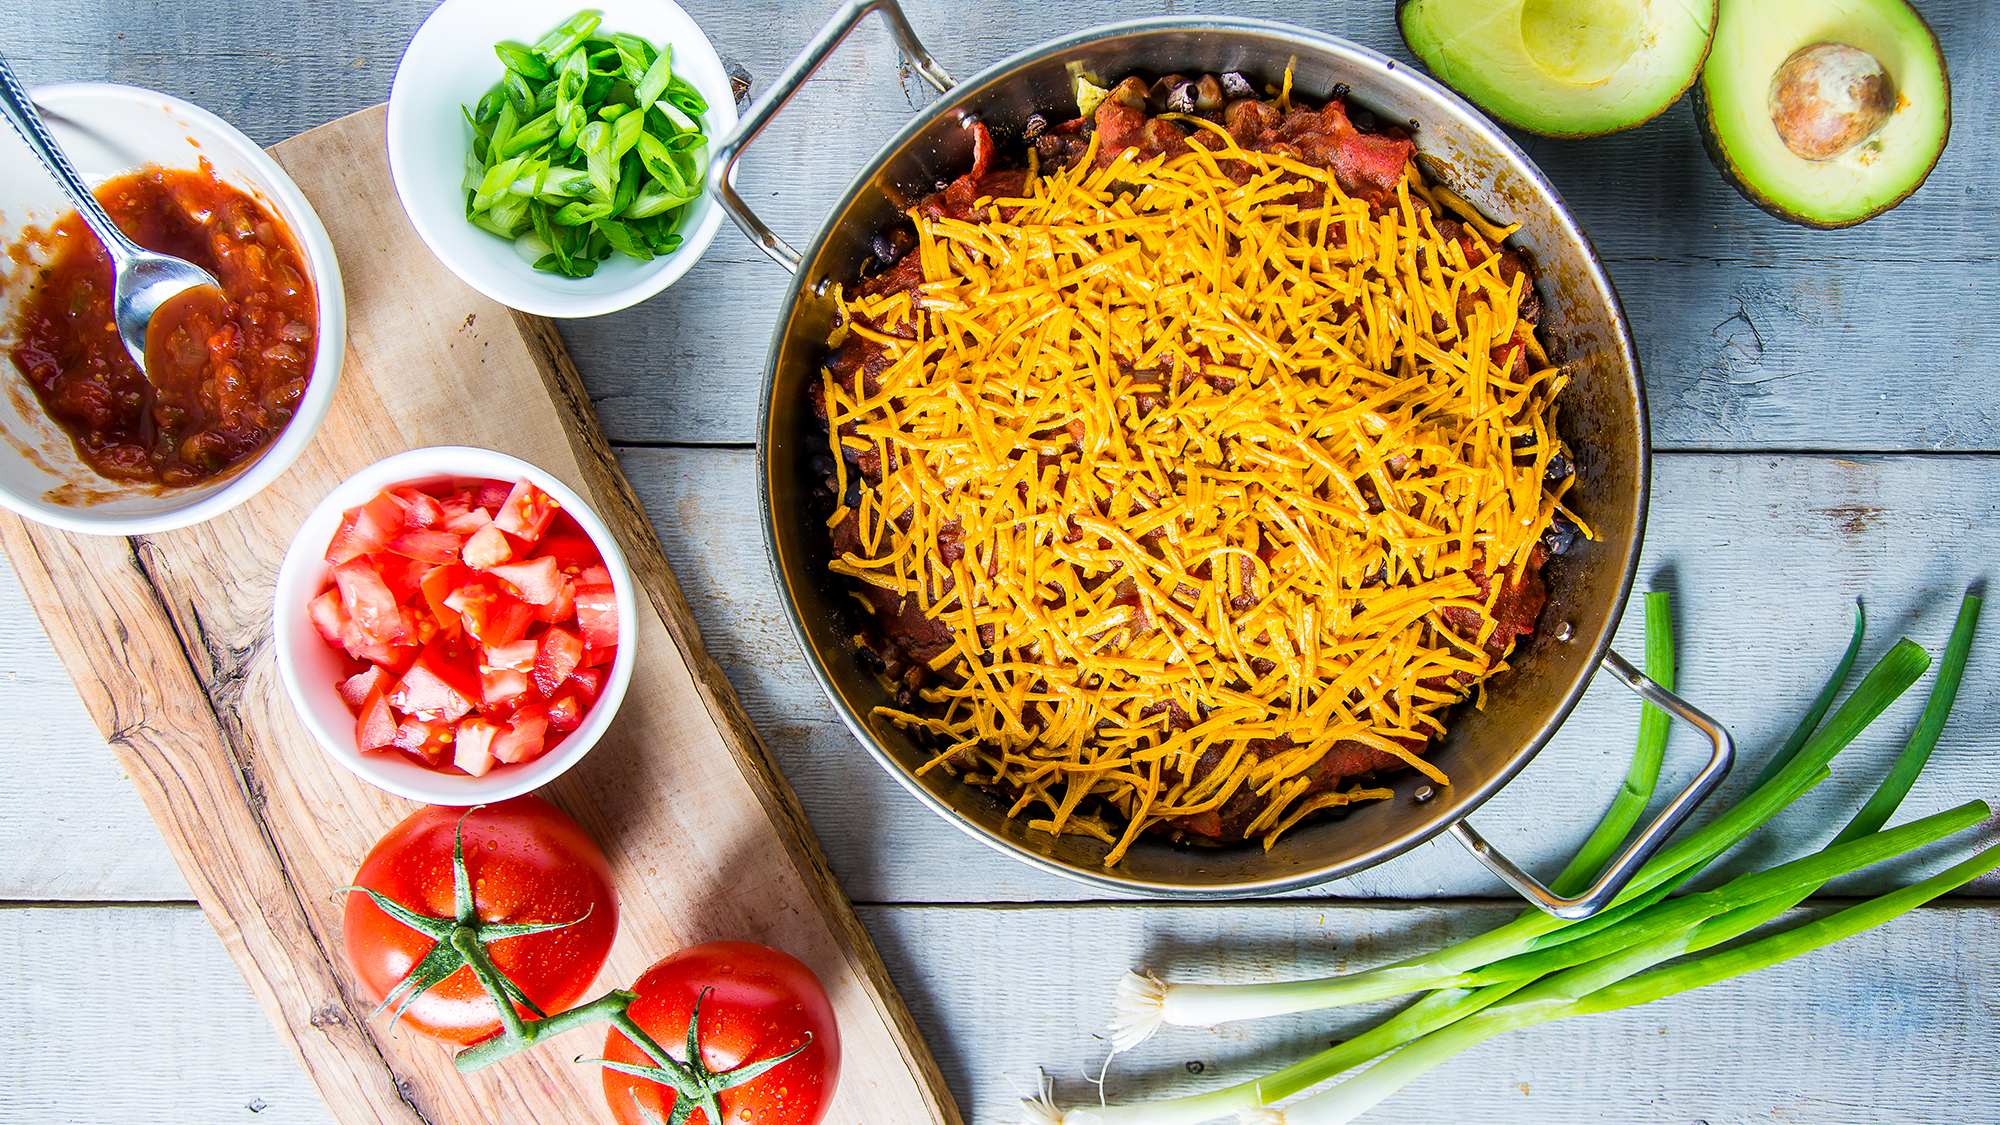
1195,467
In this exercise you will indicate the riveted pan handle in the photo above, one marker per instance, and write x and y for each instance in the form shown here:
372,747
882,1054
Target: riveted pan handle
1608,885
722,165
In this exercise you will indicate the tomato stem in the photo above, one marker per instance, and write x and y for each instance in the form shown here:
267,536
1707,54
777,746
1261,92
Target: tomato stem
465,939
610,1006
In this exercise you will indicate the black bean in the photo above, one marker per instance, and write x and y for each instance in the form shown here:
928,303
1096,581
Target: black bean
1560,536
1180,99
1234,86
1036,126
1561,468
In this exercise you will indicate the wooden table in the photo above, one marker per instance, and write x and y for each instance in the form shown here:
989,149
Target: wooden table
1826,413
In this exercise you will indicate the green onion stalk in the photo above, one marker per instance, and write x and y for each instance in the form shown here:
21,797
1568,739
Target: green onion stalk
1564,970
1617,983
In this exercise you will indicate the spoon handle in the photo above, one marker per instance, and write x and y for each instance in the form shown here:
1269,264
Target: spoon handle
14,104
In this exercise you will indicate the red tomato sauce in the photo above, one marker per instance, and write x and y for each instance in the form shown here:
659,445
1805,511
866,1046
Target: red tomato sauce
236,370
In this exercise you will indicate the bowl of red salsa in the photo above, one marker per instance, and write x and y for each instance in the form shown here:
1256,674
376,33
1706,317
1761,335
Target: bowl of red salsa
454,625
96,446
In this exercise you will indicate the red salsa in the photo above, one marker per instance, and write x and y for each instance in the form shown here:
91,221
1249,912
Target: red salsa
235,369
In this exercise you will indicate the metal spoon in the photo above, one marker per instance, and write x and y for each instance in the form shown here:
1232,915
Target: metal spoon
146,280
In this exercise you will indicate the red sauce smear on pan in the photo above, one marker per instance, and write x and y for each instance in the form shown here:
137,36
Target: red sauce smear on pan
228,374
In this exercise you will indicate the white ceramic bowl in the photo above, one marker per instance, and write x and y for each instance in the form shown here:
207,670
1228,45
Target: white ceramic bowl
311,669
450,63
109,130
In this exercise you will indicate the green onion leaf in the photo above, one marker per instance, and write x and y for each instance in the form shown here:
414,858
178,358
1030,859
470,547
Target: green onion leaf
1917,752
1817,711
1644,773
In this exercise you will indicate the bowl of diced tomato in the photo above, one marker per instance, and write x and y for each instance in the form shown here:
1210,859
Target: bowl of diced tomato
455,625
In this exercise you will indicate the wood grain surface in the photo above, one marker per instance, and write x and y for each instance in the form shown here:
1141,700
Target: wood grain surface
168,638
1792,376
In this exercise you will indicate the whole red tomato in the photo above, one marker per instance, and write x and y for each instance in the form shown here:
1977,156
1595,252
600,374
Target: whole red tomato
761,1003
527,862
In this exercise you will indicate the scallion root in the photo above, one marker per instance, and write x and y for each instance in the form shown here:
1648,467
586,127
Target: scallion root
1138,1010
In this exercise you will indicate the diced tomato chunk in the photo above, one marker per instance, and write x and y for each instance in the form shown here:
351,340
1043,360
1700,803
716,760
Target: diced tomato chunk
597,614
526,512
329,617
471,750
434,547
566,710
523,736
490,494
369,602
424,738
403,576
594,574
569,548
465,523
501,689
487,547
589,682
536,581
492,616
555,658
442,684
599,657
520,655
375,726
395,657
420,509
355,689
437,586
364,529
562,607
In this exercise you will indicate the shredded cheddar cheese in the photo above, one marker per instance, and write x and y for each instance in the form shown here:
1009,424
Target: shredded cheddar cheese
1191,467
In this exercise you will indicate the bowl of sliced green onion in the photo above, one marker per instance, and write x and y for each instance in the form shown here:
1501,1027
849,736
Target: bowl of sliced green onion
556,165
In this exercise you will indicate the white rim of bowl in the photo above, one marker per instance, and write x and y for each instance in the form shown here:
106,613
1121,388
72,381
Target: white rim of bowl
290,628
675,264
329,293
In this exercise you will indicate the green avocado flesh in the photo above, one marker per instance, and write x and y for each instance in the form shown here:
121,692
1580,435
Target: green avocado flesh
1754,38
1563,68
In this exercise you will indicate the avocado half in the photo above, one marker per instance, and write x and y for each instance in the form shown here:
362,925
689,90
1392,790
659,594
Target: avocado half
1562,68
1738,106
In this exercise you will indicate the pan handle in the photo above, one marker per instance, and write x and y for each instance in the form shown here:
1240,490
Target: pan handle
1601,893
722,165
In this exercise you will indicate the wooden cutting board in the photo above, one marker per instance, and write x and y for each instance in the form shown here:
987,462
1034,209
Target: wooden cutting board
168,638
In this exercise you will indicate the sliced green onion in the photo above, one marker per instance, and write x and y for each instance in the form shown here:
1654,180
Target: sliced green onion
656,79
566,148
558,43
522,61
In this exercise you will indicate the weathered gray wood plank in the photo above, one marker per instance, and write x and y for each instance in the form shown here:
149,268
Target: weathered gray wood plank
74,828
1891,1026
137,1014
1756,334
1766,553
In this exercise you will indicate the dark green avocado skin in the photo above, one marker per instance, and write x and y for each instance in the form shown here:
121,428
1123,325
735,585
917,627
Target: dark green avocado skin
1745,185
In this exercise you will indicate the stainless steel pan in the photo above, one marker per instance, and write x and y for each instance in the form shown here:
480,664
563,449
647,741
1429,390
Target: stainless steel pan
1603,413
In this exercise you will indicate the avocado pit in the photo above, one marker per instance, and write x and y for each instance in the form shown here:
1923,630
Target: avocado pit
1828,98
